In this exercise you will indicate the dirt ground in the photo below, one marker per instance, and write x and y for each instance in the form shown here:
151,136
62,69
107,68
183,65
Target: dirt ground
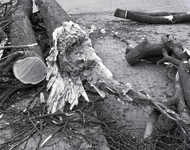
151,78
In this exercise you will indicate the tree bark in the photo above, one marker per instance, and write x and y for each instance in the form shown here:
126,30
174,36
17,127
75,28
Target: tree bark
29,68
153,18
52,14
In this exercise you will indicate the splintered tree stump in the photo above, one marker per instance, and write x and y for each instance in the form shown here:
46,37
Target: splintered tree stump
29,68
153,18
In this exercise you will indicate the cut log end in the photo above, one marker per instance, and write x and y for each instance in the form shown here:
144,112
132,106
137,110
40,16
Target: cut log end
30,70
120,13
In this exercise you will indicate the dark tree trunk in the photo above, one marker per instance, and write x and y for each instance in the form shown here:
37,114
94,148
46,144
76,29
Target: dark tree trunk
29,68
153,18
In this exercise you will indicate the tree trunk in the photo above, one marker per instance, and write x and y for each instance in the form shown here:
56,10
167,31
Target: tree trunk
29,68
153,18
52,14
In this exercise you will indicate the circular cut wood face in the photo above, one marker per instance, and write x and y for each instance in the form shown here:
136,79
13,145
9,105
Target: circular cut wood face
30,70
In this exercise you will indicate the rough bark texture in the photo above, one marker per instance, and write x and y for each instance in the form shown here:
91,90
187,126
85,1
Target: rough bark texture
52,14
27,70
153,18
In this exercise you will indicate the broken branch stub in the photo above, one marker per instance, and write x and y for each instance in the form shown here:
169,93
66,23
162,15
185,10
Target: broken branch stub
143,50
175,48
29,68
72,60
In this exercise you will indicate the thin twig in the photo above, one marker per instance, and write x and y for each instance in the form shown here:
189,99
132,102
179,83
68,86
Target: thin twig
35,126
50,136
121,38
20,46
10,58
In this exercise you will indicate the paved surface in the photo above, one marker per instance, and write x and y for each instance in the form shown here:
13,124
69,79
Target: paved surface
91,6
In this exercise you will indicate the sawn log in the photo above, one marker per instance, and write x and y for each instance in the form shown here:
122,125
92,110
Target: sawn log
153,18
30,67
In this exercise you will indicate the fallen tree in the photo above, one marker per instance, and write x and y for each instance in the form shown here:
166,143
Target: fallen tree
26,57
72,60
30,67
153,18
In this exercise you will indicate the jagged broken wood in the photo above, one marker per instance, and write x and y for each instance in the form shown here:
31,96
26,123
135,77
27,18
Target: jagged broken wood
29,68
153,18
